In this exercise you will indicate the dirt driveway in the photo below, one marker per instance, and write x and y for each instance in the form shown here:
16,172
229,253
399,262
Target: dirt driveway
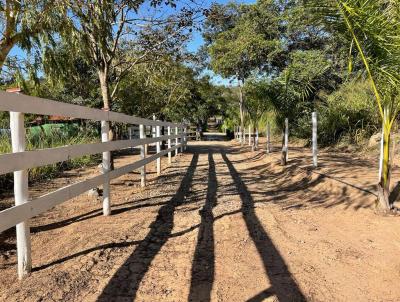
221,224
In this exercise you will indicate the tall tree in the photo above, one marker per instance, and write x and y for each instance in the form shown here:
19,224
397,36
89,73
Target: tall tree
103,31
248,45
259,96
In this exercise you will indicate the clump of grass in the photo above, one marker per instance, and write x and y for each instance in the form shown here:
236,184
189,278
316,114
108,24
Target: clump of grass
51,136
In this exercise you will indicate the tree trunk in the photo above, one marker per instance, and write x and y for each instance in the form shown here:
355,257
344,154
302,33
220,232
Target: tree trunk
241,110
105,93
384,183
254,145
5,49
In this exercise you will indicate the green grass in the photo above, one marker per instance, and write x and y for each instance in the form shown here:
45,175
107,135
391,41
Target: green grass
51,137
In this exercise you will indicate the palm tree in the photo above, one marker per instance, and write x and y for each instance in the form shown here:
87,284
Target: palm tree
258,101
373,29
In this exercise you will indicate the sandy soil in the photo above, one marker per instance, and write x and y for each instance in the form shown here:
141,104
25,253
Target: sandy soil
221,224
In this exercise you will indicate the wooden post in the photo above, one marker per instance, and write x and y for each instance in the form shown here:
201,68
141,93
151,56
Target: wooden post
249,135
181,138
105,129
185,137
158,146
285,156
132,135
176,141
153,131
268,137
146,145
314,139
21,194
257,138
142,156
237,133
169,146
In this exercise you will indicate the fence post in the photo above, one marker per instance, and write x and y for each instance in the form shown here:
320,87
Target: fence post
142,156
144,136
153,131
105,128
18,142
285,156
314,139
257,138
169,146
268,138
185,136
249,135
158,147
236,132
182,139
176,141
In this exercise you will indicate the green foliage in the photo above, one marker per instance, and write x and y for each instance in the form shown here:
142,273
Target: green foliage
51,136
250,43
300,85
25,23
347,115
259,96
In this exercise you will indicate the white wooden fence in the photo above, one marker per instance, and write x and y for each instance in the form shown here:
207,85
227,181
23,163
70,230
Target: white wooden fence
20,160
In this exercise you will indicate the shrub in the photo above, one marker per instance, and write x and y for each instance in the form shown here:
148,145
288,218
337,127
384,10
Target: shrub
349,114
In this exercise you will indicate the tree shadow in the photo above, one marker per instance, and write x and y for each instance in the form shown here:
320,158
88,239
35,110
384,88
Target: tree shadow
126,280
283,286
203,267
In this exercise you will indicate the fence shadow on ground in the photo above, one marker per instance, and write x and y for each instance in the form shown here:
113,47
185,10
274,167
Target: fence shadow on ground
126,280
283,286
203,267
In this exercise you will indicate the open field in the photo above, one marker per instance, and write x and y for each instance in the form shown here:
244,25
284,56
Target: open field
221,224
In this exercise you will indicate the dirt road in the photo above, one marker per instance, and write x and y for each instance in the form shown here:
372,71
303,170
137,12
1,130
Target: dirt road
221,224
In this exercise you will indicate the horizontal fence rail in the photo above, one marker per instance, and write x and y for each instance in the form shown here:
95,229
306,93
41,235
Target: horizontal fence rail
31,159
28,104
14,215
21,160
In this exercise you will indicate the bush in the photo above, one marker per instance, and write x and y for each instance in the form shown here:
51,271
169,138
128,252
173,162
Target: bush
350,115
347,115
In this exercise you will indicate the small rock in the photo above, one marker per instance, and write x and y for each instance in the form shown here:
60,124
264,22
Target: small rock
374,140
96,192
